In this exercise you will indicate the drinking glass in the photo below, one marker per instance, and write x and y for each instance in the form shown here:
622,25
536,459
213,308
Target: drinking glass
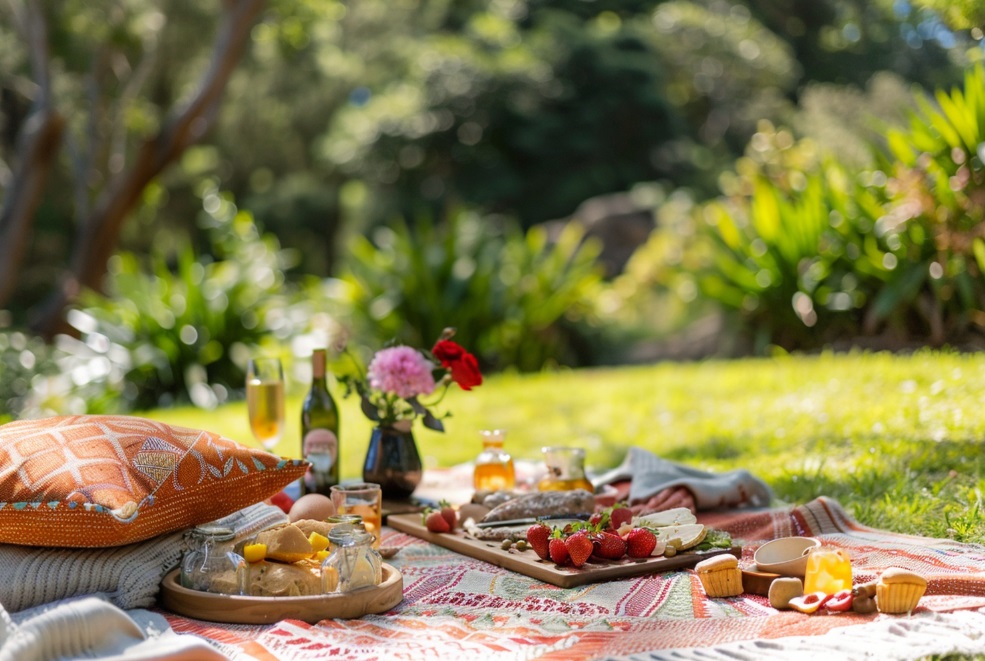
565,470
364,499
265,400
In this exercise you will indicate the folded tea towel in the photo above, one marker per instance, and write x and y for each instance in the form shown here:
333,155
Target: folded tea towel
92,628
650,474
129,576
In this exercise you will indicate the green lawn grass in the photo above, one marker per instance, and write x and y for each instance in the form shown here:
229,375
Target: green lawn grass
896,439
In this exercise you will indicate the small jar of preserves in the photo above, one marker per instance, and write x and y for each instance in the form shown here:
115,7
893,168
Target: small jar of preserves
494,466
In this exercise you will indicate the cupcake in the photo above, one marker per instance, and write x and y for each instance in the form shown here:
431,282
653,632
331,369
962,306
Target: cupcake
720,576
899,590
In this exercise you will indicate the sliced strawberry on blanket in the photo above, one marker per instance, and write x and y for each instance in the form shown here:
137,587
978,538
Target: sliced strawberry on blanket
539,538
609,546
640,543
559,552
579,548
434,522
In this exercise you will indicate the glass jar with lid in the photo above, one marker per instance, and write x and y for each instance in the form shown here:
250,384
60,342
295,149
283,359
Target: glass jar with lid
211,563
353,562
494,469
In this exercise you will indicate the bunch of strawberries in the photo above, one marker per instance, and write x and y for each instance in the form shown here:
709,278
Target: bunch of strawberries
608,535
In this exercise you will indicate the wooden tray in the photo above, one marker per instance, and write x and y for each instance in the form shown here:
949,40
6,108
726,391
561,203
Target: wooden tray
267,610
527,562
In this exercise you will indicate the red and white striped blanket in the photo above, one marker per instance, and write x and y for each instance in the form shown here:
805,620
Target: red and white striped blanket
458,607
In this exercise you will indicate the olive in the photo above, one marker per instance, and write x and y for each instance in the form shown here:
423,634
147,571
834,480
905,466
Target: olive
506,545
670,551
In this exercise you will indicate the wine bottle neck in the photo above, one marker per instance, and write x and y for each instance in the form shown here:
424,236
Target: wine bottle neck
318,365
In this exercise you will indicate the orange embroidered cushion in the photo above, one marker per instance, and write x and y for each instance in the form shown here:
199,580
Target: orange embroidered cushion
109,480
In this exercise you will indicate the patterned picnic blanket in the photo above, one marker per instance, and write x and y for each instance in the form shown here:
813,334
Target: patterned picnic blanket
456,606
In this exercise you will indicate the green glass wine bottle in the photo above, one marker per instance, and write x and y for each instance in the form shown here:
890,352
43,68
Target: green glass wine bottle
319,432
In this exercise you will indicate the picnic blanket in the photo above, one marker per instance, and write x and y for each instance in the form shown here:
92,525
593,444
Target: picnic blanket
455,606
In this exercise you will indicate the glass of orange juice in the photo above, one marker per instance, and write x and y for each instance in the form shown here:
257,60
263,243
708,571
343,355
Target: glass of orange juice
828,570
364,499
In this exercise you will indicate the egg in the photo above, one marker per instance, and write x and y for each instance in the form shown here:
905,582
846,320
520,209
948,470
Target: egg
311,506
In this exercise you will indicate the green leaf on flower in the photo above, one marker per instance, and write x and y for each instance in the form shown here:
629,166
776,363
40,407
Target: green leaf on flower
432,422
419,408
369,408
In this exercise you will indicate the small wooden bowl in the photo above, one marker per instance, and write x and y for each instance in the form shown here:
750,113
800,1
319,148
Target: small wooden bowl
786,556
237,609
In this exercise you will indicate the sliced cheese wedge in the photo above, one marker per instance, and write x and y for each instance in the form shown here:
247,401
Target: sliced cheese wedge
689,534
674,517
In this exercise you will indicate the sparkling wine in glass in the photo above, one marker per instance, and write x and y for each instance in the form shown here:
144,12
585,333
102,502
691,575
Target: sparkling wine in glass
265,400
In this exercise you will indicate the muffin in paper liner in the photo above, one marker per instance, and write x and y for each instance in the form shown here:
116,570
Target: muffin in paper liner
899,590
720,576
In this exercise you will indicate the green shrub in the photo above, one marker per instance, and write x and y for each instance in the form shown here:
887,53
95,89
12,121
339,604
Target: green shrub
517,300
935,206
803,251
180,325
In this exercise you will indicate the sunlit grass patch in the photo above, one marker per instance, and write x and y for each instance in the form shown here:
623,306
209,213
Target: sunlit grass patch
896,439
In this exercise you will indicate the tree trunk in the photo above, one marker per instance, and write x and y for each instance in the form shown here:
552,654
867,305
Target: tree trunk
99,232
37,148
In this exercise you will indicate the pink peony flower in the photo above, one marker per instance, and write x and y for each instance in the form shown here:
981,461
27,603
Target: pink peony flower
402,371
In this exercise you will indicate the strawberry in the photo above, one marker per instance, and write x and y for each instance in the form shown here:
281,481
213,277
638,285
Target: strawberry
579,548
434,522
539,538
559,552
599,520
449,514
609,546
640,543
619,516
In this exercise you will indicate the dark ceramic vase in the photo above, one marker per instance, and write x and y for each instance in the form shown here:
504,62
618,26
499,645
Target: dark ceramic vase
392,461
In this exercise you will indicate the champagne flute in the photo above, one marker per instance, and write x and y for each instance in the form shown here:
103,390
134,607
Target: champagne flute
265,400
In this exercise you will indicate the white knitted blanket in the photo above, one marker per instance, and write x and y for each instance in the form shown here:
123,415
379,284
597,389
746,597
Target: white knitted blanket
92,628
129,576
919,636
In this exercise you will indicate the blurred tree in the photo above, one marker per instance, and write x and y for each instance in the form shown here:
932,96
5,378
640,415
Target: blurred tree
86,83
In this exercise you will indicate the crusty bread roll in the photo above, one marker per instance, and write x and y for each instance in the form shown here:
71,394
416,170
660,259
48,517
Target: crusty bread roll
273,579
286,543
309,526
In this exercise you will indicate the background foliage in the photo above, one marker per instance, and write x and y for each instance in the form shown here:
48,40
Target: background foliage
383,169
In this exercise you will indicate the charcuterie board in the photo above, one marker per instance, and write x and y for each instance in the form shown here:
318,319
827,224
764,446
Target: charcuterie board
528,564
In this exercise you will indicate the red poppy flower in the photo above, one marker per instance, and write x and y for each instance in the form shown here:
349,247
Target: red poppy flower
463,365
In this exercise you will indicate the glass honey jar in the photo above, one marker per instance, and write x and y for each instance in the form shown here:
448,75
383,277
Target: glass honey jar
494,469
565,470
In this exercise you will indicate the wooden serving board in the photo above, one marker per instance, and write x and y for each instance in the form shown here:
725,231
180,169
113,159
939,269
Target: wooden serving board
237,609
527,562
